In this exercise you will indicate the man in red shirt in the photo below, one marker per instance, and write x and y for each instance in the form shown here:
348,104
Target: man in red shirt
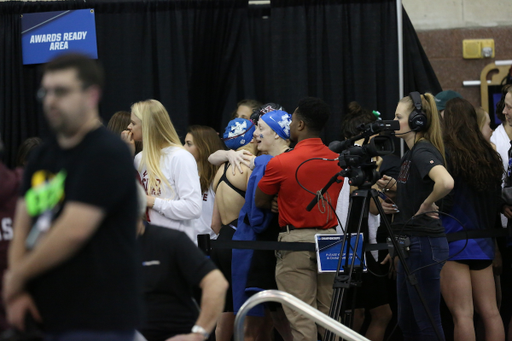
296,271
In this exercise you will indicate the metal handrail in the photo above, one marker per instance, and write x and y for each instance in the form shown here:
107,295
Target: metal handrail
298,305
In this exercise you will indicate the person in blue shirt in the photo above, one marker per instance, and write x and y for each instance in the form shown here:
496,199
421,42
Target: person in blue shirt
467,281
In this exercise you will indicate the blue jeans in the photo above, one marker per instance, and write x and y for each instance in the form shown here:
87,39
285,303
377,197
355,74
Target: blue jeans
87,335
412,318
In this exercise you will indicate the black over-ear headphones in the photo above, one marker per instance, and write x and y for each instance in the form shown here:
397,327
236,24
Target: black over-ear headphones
417,119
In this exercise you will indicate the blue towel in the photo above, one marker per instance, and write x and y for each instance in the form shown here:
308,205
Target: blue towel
258,221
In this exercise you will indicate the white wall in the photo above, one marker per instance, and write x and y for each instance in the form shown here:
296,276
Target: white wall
442,14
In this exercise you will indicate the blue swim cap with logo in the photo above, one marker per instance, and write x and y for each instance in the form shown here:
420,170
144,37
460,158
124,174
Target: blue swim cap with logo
238,133
279,121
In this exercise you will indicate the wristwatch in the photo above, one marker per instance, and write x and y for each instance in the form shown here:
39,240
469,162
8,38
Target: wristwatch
201,330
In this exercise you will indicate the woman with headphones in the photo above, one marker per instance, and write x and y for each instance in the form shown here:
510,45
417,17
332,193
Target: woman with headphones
422,181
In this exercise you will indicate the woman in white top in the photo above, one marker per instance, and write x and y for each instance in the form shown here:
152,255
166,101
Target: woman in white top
201,141
168,172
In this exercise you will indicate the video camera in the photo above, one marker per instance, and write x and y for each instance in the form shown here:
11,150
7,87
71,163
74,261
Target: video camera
356,161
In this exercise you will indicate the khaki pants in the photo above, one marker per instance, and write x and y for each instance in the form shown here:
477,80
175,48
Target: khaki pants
296,274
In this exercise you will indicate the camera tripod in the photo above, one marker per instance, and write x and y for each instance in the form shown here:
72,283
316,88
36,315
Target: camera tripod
358,210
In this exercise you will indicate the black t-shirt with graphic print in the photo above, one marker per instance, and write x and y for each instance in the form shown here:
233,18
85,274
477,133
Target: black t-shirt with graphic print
172,266
413,187
97,288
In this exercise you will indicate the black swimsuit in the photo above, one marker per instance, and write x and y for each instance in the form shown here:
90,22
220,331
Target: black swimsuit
225,179
222,257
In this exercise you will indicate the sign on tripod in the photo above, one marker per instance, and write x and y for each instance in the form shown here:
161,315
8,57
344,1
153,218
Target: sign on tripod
328,248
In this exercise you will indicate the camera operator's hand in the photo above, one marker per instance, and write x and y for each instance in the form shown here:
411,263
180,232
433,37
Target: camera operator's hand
17,309
387,184
389,208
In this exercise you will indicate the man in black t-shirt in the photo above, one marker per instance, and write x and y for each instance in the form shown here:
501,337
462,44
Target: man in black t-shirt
72,261
173,266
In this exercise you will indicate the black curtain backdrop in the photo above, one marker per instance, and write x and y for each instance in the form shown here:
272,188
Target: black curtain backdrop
199,58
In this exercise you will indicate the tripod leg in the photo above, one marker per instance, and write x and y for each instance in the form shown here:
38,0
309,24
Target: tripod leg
358,212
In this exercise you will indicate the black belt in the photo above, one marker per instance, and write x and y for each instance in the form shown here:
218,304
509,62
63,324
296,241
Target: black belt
291,228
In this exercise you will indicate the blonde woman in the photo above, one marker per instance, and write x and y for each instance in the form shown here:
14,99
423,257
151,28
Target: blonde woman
422,181
168,172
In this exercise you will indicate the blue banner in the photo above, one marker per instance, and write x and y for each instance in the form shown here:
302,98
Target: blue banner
46,35
328,251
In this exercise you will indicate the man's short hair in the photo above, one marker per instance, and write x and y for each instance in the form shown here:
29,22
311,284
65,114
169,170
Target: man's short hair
314,112
89,72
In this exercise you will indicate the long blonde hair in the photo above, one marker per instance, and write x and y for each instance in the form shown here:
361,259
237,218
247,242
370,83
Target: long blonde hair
433,134
157,132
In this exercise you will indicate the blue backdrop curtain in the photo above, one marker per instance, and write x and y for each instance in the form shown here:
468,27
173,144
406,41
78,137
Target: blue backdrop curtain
200,57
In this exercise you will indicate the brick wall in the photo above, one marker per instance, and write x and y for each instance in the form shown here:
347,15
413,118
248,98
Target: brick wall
444,50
